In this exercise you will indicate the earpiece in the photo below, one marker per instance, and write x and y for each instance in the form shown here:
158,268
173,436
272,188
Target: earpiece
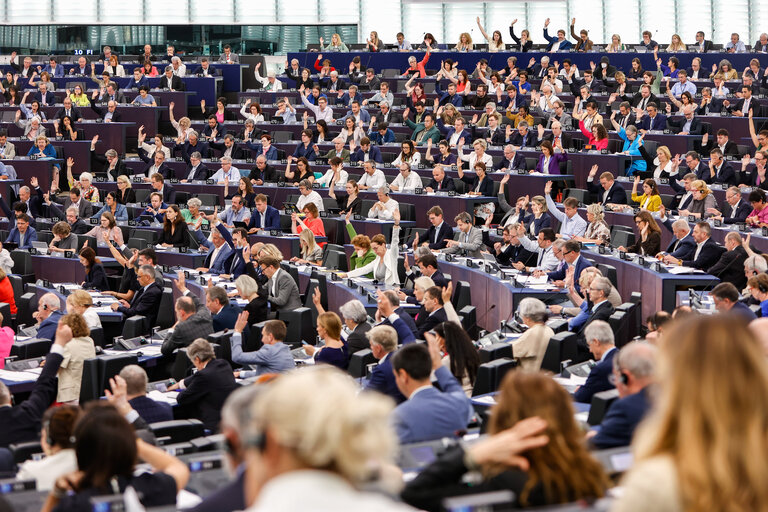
258,441
624,378
762,288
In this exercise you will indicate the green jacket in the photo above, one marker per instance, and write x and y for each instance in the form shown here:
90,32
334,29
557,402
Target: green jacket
332,153
355,261
433,133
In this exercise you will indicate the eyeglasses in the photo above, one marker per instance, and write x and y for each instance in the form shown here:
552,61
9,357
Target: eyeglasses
567,253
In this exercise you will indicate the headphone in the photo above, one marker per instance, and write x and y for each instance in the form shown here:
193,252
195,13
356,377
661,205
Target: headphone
48,438
257,440
762,287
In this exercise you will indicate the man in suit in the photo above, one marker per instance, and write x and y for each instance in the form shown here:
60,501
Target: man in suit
383,343
433,304
512,160
440,182
600,341
68,110
707,251
146,300
365,152
709,104
653,120
218,252
7,149
283,291
75,200
196,170
263,172
521,137
193,320
720,171
391,313
263,216
745,104
22,234
205,69
572,258
643,98
157,166
21,423
164,189
736,210
439,231
205,391
468,241
43,95
556,136
229,148
238,242
191,145
112,93
726,297
609,191
136,381
223,313
702,45
110,163
47,315
695,166
601,309
171,81
633,371
683,245
688,125
228,57
721,142
108,115
422,132
560,116
730,267
428,413
555,44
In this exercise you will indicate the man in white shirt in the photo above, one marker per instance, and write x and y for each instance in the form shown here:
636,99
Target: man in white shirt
571,223
385,207
546,260
406,181
307,195
322,110
382,95
373,178
179,69
271,83
227,173
235,213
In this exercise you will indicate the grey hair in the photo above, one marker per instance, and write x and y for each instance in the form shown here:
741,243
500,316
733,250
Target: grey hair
110,152
638,358
247,285
194,202
681,224
193,133
197,155
135,378
491,104
355,311
602,284
384,190
559,243
422,251
599,330
382,103
202,350
226,159
533,309
757,263
86,176
237,412
168,68
384,336
175,59
51,300
149,270
73,209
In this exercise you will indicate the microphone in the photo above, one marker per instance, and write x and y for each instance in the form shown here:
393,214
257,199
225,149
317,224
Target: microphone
482,317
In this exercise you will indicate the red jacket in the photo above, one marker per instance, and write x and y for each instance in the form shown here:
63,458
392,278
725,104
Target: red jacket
420,67
320,68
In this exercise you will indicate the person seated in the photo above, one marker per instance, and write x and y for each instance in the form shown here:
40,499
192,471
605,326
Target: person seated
707,251
389,311
517,429
599,337
334,349
682,245
648,240
609,191
385,207
571,253
433,306
384,267
263,216
383,344
650,199
193,320
136,380
22,233
273,357
95,276
206,390
283,290
146,300
440,182
57,441
726,298
427,414
439,231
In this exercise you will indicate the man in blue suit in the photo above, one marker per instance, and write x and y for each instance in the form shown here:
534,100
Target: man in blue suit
238,242
706,253
455,133
218,252
439,231
263,217
48,316
572,257
633,369
365,152
558,43
600,342
150,410
223,313
651,120
43,95
22,234
383,341
683,245
429,413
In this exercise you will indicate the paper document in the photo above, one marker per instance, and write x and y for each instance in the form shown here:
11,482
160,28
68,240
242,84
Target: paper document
531,280
677,270
17,376
168,397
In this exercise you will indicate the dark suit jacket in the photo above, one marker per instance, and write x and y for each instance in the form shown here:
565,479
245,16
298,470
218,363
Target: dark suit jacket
96,278
405,327
518,161
685,248
201,173
198,325
150,410
74,113
383,380
598,378
650,247
269,175
622,418
272,220
145,303
715,106
176,83
638,97
100,160
212,71
433,319
730,267
742,212
50,98
616,194
726,175
169,194
709,255
566,140
226,317
603,312
677,124
237,152
165,170
542,222
754,105
374,153
447,184
102,112
559,275
657,123
187,149
227,498
21,423
445,233
207,390
357,340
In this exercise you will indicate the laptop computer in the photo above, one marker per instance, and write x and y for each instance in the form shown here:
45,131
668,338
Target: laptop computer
40,246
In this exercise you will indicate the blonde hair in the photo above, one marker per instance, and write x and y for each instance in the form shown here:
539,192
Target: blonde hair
596,210
665,150
331,322
701,186
339,430
309,239
80,298
424,282
709,415
272,251
184,122
539,200
124,179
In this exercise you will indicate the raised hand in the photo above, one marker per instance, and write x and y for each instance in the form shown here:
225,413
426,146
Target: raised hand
593,171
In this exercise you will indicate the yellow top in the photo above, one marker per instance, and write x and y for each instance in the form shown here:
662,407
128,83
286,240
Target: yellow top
654,202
